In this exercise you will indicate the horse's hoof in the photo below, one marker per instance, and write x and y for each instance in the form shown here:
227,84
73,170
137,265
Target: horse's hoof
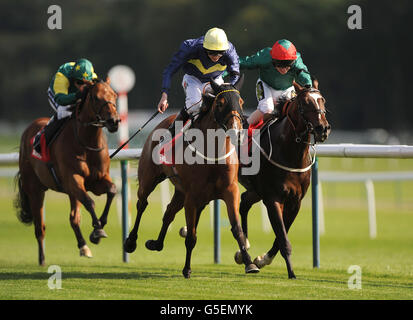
154,245
183,232
292,276
85,252
129,246
186,273
238,257
262,261
96,235
252,268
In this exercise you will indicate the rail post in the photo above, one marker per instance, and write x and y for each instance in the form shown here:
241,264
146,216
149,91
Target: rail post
217,232
125,213
316,233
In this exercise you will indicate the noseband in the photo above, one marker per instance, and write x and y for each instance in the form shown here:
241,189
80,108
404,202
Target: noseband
309,128
99,122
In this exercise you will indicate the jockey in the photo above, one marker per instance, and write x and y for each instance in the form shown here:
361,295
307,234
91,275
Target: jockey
201,59
65,89
278,67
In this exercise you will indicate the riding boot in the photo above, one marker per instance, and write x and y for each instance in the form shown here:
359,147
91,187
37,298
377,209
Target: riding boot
182,116
52,128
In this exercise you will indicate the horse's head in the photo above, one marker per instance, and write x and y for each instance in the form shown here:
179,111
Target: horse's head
99,107
226,105
311,107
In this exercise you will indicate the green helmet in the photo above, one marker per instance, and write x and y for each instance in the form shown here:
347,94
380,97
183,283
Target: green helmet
83,70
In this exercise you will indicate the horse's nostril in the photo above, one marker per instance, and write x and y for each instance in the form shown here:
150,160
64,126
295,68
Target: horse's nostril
319,129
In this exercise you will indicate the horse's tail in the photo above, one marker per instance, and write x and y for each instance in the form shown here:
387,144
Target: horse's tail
21,203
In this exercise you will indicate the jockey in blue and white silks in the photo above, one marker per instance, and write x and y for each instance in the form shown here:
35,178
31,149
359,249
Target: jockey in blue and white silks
201,59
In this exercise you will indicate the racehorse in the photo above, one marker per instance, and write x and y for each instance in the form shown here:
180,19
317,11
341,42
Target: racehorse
80,161
284,174
197,184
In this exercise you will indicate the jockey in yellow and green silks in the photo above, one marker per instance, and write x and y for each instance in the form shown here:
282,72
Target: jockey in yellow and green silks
67,85
65,88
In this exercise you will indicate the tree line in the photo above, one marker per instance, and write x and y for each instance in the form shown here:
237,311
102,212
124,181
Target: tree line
363,73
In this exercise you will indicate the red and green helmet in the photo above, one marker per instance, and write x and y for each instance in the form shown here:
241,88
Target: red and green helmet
283,52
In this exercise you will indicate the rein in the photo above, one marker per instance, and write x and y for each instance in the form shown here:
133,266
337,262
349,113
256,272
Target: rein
193,149
270,160
239,115
299,137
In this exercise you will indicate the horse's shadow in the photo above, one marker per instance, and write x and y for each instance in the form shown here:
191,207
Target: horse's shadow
136,275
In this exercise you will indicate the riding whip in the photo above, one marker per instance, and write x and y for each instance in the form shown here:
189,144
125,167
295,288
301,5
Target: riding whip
139,130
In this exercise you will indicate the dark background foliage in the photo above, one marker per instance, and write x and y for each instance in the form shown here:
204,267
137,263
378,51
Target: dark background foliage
364,74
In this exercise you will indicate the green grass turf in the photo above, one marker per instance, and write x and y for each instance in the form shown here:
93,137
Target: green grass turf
386,262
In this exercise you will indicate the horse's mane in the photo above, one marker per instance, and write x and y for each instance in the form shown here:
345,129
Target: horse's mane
208,99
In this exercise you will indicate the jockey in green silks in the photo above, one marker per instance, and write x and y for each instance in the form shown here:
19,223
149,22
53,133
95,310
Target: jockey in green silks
66,87
278,67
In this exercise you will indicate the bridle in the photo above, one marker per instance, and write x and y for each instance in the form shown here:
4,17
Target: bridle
309,128
299,137
235,113
98,122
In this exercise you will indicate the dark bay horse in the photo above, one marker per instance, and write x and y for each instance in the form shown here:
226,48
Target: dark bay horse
81,161
285,164
197,184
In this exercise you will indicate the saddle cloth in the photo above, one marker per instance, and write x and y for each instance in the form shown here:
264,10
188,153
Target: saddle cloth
166,152
44,154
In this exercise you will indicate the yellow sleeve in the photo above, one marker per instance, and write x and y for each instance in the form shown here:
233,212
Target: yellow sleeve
61,84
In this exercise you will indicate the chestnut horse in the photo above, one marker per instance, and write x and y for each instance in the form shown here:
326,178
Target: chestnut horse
285,164
197,184
81,162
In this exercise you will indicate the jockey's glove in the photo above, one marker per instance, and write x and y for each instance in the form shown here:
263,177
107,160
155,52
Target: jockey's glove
63,112
81,94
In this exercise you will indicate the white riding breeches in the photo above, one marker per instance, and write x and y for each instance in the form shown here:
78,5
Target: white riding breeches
61,111
194,89
268,97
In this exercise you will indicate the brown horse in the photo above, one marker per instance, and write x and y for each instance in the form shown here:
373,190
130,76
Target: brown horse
285,164
197,184
81,162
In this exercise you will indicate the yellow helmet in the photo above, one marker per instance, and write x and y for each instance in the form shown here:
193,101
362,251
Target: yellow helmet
216,40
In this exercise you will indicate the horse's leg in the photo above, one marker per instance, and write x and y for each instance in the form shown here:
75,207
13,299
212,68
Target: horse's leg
174,206
231,198
77,190
84,250
104,186
275,215
145,189
31,195
191,217
248,198
36,199
290,212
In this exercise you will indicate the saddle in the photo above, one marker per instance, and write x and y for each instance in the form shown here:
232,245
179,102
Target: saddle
40,150
166,152
41,143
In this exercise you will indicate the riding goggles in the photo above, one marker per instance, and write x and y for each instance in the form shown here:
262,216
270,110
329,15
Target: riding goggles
215,53
282,63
